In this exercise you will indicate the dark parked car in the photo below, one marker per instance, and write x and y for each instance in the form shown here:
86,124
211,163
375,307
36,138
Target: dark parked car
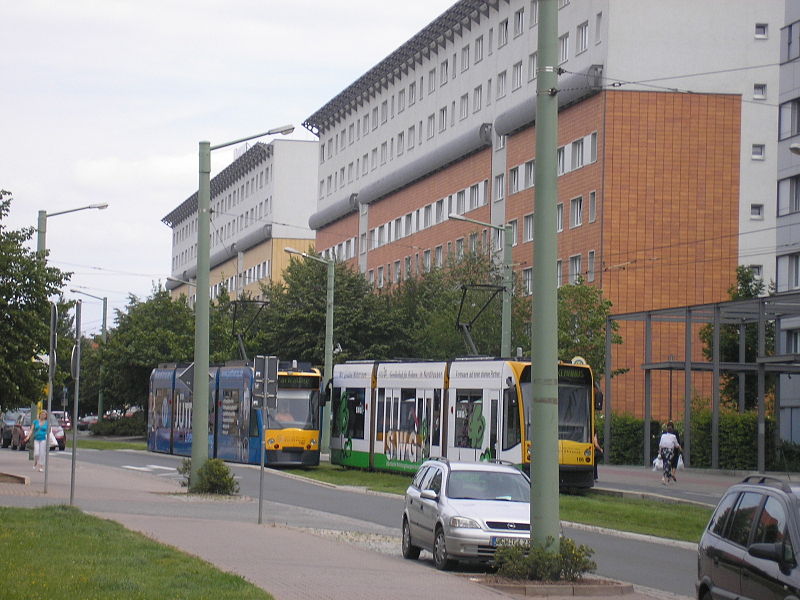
7,425
747,550
23,426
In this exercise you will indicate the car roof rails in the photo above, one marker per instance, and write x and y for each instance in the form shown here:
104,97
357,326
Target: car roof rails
442,459
500,461
769,480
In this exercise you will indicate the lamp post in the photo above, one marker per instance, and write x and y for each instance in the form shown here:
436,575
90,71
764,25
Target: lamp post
41,248
103,337
508,242
201,307
325,438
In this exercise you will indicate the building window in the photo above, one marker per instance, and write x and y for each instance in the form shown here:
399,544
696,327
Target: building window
758,152
363,243
789,195
374,161
477,98
443,72
533,61
576,211
563,48
794,271
384,111
501,142
592,207
431,125
559,217
442,118
757,212
460,248
598,24
474,197
411,137
593,147
384,152
431,81
499,187
759,91
516,76
401,142
527,228
582,38
527,281
463,107
412,93
374,118
530,173
560,161
501,84
513,180
761,31
401,101
559,274
478,49
514,229
502,33
465,58
438,257
574,269
562,4
534,12
793,341
789,119
590,266
790,42
577,154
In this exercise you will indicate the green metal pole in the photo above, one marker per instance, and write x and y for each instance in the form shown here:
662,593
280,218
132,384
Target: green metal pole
505,334
103,337
325,441
201,317
544,347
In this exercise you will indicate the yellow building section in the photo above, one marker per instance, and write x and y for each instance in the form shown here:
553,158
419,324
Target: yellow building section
292,439
574,453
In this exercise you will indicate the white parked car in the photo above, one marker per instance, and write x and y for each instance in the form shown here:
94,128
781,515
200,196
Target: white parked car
463,511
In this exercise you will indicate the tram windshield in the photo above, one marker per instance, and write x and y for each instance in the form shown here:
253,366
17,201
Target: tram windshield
295,409
573,413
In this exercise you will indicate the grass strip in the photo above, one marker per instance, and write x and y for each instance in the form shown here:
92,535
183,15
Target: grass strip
94,444
649,517
60,552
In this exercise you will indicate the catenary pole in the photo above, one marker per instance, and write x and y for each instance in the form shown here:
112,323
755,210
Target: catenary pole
544,347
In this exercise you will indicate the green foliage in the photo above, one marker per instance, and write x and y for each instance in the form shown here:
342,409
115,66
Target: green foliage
135,425
738,439
26,284
520,561
626,439
214,477
747,285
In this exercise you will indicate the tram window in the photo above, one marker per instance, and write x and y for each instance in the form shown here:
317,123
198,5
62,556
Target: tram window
254,432
573,413
355,412
511,428
231,420
470,422
336,402
437,418
379,415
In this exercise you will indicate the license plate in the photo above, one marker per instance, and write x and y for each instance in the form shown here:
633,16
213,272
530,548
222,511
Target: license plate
508,541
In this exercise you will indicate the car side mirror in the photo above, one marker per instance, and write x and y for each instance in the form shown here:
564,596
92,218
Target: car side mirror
429,495
773,552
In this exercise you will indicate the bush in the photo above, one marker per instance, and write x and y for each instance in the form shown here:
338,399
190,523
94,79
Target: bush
134,425
570,563
214,477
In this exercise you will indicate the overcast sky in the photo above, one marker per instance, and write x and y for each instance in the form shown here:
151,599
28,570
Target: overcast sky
106,101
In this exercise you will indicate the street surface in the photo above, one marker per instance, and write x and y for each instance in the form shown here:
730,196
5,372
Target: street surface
666,566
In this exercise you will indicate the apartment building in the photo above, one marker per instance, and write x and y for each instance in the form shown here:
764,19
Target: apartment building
260,204
788,212
667,151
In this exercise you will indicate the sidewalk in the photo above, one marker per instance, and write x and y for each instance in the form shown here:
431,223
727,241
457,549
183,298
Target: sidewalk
287,562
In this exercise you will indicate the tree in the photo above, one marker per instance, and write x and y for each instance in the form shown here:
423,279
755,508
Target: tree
747,285
26,284
582,314
158,330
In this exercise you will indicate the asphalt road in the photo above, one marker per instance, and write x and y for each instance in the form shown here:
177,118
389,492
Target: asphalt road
302,503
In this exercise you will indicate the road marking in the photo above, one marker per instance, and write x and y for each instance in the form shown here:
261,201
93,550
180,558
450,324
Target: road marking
132,468
160,467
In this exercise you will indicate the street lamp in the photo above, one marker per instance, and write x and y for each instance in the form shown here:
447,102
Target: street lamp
103,337
202,301
42,224
41,248
508,242
325,438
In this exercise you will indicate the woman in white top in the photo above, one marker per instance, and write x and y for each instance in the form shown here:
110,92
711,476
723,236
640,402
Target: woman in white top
667,446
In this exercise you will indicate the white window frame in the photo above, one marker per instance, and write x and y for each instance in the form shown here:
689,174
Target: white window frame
576,212
560,217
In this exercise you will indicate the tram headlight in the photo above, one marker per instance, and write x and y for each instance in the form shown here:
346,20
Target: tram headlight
587,453
314,442
270,441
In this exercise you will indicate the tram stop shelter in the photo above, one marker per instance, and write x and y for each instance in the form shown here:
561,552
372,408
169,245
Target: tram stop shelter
779,309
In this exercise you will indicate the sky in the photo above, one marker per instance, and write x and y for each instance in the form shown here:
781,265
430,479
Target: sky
105,101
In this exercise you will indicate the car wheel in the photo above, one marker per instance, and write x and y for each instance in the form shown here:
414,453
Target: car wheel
440,559
410,551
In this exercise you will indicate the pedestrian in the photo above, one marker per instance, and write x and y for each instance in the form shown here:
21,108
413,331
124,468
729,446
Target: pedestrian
598,453
676,454
39,434
667,446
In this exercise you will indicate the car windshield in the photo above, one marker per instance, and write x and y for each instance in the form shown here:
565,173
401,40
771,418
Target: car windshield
26,421
488,485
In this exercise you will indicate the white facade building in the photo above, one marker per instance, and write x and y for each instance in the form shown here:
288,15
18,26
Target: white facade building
468,79
266,195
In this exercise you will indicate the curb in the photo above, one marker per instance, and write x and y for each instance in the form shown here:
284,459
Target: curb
11,478
609,588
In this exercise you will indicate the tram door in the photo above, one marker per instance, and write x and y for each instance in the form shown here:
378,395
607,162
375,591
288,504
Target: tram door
473,422
434,410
